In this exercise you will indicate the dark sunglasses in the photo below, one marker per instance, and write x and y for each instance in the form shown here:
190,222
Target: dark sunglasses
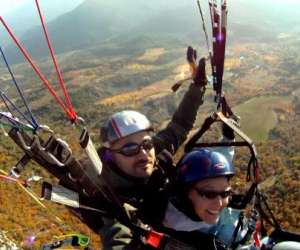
132,149
213,194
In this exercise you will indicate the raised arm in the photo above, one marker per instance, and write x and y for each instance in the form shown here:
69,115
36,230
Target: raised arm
183,119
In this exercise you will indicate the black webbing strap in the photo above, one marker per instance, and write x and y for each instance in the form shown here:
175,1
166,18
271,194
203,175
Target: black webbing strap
205,126
237,229
19,167
260,202
279,235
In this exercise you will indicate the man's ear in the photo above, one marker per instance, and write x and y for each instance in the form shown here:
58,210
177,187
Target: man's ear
110,155
107,156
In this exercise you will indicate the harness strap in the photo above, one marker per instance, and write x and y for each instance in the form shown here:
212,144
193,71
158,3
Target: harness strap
19,167
205,126
219,22
279,235
259,200
237,229
87,144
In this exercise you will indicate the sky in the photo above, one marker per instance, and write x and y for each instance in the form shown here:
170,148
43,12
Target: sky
8,6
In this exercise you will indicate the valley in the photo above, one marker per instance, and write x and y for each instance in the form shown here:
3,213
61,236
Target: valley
136,71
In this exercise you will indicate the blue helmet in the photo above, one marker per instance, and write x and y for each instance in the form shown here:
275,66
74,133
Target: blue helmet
201,164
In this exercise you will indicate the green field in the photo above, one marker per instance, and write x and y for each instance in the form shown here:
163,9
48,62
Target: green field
258,116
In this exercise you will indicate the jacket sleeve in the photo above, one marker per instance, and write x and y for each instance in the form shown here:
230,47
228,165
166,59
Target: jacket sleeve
116,236
182,121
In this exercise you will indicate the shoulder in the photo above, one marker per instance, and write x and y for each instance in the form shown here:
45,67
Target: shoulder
179,221
229,215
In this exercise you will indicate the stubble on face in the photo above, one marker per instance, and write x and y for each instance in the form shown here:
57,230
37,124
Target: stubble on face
140,165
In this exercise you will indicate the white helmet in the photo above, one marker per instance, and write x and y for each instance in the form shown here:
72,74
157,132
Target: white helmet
122,124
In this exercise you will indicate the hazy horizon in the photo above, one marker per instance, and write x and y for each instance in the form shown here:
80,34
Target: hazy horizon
13,6
247,19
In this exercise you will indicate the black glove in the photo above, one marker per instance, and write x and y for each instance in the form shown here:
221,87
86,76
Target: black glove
191,55
200,77
198,72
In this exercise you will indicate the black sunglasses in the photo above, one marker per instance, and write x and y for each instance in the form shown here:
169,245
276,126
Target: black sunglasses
132,149
213,194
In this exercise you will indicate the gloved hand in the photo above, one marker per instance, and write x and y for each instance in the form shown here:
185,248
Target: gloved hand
191,57
198,72
200,78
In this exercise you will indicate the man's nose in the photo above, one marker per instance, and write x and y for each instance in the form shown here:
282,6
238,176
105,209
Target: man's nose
144,152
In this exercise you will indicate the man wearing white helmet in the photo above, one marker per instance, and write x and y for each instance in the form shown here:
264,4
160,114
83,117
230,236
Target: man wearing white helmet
135,162
128,144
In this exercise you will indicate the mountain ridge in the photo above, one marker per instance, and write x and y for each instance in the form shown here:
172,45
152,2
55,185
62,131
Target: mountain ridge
94,22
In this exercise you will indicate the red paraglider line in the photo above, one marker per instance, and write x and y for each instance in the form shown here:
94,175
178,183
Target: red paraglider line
58,72
38,72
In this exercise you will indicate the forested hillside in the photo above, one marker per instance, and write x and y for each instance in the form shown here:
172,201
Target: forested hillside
136,71
274,129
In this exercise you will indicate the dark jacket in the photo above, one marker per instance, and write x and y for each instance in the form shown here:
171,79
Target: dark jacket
133,191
